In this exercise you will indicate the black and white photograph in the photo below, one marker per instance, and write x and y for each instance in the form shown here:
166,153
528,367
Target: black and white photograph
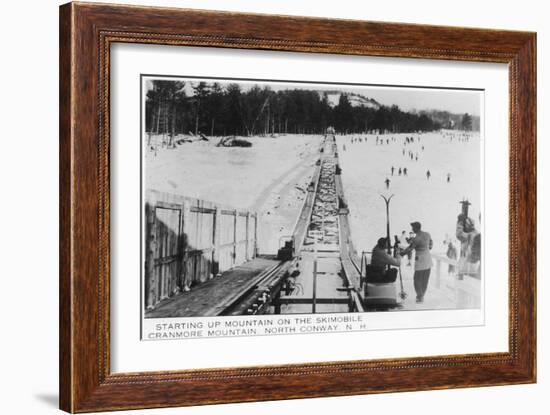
275,207
279,197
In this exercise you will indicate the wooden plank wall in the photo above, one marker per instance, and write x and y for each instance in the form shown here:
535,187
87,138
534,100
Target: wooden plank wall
188,241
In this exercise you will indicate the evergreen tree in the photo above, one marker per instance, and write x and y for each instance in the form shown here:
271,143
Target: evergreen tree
219,110
467,122
201,92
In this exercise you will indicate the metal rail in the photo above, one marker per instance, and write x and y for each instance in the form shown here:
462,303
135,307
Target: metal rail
265,290
256,297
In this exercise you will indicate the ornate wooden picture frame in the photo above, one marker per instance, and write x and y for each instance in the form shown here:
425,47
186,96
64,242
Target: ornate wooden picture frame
87,32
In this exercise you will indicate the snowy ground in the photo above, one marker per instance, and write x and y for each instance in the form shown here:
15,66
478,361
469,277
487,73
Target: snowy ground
270,177
433,202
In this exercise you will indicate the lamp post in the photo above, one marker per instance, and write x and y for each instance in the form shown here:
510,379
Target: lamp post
388,240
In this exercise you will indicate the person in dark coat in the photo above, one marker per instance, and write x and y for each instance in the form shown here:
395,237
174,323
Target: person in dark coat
379,270
469,262
380,257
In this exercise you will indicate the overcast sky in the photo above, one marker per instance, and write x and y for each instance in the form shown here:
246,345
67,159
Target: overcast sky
441,99
406,98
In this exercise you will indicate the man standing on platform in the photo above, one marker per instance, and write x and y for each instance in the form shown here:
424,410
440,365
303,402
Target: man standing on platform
421,244
469,262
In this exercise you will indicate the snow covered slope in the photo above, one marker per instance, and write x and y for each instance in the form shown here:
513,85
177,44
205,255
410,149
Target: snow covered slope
269,178
434,202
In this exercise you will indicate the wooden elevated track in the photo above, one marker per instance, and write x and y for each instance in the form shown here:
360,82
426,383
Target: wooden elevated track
316,272
326,279
230,294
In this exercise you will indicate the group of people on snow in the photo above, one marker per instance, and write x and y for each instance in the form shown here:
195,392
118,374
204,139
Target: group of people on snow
419,242
403,171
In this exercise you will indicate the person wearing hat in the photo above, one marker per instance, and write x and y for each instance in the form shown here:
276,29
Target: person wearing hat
421,244
380,260
380,257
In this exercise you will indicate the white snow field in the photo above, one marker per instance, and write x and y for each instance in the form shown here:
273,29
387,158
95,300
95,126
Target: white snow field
434,202
270,177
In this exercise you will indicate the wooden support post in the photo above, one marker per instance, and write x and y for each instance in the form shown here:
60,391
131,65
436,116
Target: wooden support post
160,238
235,237
186,274
216,239
277,303
150,248
314,296
246,255
256,245
180,268
437,273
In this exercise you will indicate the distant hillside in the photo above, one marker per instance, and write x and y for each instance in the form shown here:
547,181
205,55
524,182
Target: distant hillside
450,120
356,100
444,118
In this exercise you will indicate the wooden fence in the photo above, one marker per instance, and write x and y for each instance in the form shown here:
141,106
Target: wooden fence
188,241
